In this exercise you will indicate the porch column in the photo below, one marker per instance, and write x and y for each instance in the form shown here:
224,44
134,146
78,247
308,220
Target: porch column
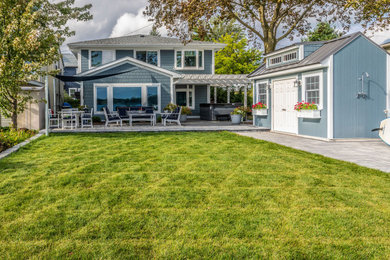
215,95
208,94
228,94
245,96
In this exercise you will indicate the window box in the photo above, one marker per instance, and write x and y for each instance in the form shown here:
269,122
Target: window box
260,112
309,114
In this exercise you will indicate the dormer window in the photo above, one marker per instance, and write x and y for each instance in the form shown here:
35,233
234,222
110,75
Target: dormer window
189,59
276,60
290,56
283,58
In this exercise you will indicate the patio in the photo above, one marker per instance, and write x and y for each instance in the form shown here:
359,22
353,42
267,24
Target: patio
192,125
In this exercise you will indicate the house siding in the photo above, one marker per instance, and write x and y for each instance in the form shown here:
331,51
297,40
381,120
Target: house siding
119,54
200,98
137,75
353,117
84,60
309,127
167,61
310,48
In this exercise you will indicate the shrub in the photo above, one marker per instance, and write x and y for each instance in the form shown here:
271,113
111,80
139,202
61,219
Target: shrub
170,107
186,111
10,137
96,119
75,103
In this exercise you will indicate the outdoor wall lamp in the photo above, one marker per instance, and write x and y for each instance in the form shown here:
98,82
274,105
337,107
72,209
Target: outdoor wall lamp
297,83
361,93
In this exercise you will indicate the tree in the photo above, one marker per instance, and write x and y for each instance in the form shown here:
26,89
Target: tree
31,33
217,28
322,32
236,57
154,32
269,20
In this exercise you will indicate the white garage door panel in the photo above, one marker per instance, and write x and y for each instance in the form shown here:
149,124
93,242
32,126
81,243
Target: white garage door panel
284,99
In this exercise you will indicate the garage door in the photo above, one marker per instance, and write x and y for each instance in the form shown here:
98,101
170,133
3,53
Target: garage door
285,96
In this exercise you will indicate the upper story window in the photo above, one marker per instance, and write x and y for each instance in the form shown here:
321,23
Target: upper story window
189,59
96,58
291,56
150,57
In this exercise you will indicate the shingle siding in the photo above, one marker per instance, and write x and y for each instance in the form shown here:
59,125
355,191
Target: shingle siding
353,117
168,62
84,60
124,53
200,98
136,75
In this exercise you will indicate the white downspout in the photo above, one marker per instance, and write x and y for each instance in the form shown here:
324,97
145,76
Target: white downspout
330,99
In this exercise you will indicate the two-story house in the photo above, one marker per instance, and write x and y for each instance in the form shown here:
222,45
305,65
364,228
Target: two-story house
147,70
347,78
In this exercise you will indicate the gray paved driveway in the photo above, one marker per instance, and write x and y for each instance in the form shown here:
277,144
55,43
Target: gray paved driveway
372,154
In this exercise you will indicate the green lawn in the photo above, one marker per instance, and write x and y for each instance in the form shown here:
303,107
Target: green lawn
187,195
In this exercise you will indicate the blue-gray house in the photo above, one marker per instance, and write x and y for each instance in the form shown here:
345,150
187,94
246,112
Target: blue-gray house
148,71
348,78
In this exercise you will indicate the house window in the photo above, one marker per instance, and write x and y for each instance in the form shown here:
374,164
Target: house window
126,95
276,60
312,88
150,57
185,96
96,58
262,93
290,56
189,59
101,98
72,92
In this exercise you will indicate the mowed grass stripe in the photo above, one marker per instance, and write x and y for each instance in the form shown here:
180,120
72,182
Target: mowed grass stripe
187,195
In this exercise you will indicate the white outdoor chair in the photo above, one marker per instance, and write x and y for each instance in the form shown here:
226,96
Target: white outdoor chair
69,119
173,117
86,119
54,120
111,117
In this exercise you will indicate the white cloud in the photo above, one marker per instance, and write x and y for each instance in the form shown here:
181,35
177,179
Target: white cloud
130,23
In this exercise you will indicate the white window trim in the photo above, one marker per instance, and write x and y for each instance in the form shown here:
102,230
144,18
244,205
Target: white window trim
187,91
281,55
75,90
303,92
110,87
90,58
158,55
182,60
267,91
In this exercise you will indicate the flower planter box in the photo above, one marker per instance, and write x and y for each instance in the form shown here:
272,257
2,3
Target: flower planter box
260,112
309,114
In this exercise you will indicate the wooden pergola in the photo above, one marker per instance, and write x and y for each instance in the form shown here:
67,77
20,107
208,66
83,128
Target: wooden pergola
228,81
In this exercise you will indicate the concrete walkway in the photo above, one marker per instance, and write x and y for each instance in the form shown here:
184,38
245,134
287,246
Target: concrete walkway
372,154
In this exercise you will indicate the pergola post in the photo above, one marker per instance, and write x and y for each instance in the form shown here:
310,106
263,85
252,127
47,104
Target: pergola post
228,94
215,95
245,96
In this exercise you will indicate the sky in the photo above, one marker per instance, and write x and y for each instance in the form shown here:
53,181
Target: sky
114,18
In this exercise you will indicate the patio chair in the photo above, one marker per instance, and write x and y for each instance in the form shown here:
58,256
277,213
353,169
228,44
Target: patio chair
122,113
173,117
69,119
86,119
111,117
54,120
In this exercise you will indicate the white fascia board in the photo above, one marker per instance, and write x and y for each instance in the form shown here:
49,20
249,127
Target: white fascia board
388,84
133,61
143,46
290,71
330,105
281,51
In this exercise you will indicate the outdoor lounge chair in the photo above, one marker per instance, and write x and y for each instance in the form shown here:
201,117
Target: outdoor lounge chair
54,119
173,117
122,113
86,119
69,119
111,117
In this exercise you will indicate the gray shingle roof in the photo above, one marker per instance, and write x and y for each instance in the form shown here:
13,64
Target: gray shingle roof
141,40
329,48
69,60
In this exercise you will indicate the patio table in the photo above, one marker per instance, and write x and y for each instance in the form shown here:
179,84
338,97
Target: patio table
77,113
141,116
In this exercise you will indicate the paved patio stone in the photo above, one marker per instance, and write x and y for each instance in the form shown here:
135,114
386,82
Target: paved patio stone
369,153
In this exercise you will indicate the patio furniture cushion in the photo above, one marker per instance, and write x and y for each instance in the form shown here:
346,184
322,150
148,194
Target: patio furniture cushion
122,112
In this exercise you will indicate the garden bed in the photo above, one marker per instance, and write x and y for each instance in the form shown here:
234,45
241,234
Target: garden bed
10,137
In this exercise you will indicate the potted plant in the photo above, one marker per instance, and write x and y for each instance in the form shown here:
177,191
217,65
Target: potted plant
170,107
307,110
259,109
237,115
185,111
